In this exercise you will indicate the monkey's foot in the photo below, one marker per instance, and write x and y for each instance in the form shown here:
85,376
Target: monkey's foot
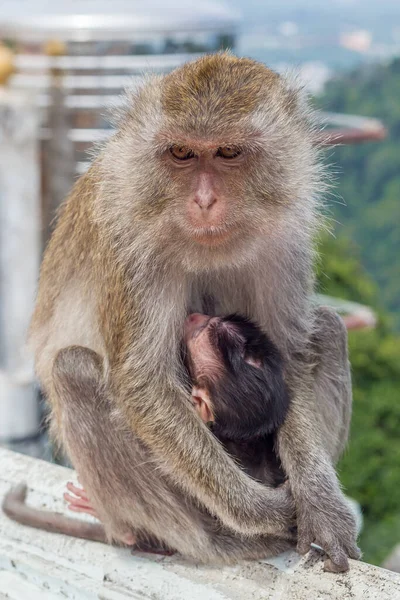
78,502
129,539
331,529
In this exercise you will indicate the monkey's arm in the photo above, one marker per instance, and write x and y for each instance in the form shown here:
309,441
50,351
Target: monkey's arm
161,416
195,461
312,438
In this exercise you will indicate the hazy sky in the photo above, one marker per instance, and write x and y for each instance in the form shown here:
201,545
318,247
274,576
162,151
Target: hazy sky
253,10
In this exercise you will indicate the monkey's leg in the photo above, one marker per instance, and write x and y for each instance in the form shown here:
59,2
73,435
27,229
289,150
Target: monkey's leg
310,442
221,545
131,502
332,380
85,425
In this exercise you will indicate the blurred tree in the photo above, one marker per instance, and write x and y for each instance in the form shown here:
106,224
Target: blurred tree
370,469
369,175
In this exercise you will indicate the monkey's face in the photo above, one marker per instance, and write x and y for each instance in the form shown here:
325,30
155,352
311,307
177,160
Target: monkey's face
237,376
210,162
236,151
209,189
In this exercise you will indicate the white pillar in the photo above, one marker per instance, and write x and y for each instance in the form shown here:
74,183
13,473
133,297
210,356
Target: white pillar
20,250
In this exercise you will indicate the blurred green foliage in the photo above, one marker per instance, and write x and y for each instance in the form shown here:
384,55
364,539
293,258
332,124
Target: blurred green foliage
369,174
370,469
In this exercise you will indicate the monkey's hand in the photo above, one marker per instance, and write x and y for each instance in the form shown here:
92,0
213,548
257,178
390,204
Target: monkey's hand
332,526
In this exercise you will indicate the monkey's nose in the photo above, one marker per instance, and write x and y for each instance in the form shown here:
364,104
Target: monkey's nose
205,200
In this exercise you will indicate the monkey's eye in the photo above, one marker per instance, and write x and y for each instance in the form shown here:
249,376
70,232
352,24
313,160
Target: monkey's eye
228,152
181,152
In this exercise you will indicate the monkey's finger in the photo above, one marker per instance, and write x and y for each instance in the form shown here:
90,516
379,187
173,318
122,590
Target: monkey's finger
84,496
354,552
73,488
336,562
88,511
334,567
82,489
78,506
77,503
339,552
80,492
305,539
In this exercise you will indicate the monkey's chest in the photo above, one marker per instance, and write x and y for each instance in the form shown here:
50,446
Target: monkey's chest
221,301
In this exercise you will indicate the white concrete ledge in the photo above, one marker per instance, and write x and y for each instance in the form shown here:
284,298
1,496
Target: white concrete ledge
38,565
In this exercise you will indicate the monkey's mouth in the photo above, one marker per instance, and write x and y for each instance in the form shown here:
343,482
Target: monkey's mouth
212,235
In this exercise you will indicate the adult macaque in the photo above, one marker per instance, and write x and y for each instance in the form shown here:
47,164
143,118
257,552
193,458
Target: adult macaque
237,385
205,195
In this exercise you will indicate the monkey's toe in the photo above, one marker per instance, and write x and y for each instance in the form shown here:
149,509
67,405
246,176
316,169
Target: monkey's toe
336,567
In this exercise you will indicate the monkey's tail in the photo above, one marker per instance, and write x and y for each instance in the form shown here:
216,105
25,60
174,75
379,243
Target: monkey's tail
16,509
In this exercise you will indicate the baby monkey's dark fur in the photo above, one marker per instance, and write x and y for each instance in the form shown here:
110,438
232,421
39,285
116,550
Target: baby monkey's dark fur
250,399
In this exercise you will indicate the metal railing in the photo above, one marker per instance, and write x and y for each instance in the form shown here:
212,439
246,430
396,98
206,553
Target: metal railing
349,129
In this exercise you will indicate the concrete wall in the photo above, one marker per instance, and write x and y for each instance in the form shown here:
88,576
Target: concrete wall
37,565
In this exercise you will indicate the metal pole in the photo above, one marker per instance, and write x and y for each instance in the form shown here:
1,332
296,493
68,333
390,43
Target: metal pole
58,158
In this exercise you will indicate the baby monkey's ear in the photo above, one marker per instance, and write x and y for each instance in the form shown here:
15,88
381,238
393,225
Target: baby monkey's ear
202,404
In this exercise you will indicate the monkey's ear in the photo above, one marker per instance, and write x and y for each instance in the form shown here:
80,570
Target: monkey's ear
202,404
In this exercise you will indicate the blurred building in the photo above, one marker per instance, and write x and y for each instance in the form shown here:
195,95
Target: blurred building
72,61
90,50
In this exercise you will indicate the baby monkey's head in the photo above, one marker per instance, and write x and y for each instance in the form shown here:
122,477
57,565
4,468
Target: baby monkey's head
237,376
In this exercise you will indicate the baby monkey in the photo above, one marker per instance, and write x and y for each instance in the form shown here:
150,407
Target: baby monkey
238,389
